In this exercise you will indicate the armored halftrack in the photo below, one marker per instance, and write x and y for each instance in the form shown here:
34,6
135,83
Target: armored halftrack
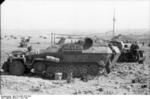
85,56
130,52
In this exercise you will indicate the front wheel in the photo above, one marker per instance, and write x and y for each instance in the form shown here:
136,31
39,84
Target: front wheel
39,67
5,67
16,68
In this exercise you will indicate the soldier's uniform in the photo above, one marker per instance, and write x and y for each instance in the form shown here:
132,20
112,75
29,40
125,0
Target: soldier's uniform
134,50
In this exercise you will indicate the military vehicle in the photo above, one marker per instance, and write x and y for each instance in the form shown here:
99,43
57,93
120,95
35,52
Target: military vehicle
129,52
86,56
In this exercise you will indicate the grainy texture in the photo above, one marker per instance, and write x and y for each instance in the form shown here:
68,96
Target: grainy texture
125,78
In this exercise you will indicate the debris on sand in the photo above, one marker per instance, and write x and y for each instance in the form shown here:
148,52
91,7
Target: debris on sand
100,89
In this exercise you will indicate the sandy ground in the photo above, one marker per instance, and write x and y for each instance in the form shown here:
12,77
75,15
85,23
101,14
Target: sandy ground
125,78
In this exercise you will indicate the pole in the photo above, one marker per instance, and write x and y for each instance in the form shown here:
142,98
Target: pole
51,38
54,39
114,23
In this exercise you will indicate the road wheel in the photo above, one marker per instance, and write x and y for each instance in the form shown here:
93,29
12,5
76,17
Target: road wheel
16,68
5,66
93,69
39,67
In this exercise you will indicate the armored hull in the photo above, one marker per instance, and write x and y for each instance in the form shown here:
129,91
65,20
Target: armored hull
82,58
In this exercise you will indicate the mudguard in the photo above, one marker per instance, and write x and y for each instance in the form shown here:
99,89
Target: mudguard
116,54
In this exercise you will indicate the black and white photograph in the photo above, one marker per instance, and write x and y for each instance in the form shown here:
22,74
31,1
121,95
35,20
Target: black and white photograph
74,47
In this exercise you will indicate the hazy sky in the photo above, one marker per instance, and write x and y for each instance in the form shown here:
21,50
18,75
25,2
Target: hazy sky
75,15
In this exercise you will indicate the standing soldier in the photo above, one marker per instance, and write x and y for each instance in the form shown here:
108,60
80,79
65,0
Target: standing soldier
134,50
143,43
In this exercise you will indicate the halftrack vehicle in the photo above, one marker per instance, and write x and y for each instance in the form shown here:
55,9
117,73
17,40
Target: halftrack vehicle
129,52
86,56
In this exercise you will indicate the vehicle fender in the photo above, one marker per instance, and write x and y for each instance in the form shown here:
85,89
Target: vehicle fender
116,54
17,58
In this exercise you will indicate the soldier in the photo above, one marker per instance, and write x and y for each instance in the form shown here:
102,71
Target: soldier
143,43
29,52
134,50
134,47
29,48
